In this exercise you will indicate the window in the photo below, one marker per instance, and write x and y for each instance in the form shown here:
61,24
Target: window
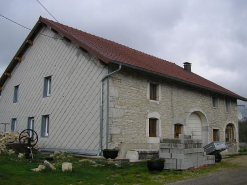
47,86
16,88
215,101
152,127
45,126
216,134
227,104
13,124
30,124
230,133
153,91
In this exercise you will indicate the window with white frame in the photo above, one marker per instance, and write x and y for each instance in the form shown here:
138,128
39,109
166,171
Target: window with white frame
30,125
152,127
13,124
153,91
16,89
47,86
45,126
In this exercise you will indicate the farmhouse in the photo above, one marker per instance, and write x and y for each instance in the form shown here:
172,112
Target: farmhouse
82,94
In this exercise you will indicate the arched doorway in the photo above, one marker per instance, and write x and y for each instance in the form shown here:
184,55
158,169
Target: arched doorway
230,133
194,126
197,126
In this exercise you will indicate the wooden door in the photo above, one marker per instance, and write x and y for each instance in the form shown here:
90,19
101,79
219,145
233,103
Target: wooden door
177,130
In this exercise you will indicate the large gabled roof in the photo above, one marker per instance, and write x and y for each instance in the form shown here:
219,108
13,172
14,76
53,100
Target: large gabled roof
112,52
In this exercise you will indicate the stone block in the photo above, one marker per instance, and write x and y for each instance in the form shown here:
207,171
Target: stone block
66,166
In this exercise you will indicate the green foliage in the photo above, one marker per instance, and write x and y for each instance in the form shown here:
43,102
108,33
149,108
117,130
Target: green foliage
243,131
15,171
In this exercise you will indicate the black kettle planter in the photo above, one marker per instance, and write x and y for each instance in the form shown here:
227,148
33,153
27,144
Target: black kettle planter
110,153
156,164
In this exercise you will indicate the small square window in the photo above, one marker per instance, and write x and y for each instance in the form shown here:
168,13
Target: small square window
47,86
152,127
153,91
45,126
16,89
215,101
13,124
227,104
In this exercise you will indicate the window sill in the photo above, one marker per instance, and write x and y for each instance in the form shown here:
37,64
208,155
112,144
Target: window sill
154,101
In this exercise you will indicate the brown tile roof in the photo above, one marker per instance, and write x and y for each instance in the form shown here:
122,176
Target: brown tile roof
111,52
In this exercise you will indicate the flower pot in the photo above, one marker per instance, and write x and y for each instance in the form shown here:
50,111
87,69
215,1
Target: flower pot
156,165
112,154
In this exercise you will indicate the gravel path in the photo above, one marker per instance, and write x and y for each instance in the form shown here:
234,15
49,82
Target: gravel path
233,177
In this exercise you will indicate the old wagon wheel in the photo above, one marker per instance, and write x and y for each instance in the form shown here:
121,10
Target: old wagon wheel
28,137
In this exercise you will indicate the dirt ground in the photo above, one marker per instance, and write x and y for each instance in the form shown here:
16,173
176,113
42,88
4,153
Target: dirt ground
240,160
224,177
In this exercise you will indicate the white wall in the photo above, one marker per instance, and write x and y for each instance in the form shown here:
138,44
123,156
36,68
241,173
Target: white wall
74,104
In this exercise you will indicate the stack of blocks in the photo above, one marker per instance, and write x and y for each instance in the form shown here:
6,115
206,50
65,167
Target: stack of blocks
182,154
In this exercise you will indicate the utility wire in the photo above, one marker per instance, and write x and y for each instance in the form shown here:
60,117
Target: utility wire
27,27
47,11
15,22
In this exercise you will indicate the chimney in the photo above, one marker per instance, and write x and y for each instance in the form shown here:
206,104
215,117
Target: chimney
187,66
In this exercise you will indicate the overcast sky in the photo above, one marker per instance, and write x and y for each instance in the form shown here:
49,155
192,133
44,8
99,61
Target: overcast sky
211,34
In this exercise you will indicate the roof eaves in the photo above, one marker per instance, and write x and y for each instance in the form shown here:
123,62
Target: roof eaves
25,45
92,50
178,80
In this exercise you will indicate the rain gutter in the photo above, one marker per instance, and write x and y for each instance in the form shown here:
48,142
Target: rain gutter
101,109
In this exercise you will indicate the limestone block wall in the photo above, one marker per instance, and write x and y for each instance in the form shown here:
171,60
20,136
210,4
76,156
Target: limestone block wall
130,109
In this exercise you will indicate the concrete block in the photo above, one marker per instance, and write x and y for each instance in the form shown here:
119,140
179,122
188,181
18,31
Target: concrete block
132,155
180,146
170,160
165,145
210,157
187,151
176,151
165,155
165,150
170,166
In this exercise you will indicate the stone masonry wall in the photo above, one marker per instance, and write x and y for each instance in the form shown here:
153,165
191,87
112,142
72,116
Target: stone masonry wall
130,108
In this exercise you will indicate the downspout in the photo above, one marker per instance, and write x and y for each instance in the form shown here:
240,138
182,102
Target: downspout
101,107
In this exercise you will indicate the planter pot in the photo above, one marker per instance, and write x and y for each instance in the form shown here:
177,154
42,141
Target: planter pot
156,165
112,154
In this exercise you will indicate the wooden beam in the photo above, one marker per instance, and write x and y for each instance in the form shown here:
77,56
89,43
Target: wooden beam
8,74
18,58
30,42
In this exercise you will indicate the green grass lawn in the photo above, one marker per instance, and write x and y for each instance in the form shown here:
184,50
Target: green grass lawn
15,171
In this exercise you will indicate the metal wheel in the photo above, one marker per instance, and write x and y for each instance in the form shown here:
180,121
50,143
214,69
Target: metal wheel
28,137
218,158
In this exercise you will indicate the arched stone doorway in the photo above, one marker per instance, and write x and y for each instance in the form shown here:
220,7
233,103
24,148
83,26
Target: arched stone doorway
197,126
